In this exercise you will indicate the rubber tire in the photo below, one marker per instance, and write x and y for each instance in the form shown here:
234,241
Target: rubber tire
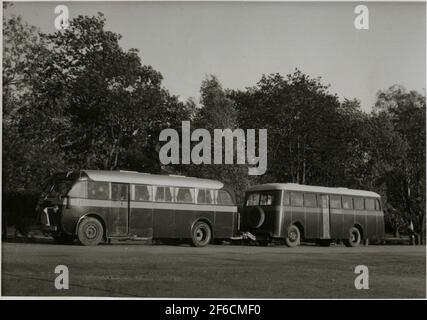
82,228
63,238
204,227
348,242
293,243
324,242
260,214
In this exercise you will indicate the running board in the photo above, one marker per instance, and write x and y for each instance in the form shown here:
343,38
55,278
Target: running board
136,238
141,238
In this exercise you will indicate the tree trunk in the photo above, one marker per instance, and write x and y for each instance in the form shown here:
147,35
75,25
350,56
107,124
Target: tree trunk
303,164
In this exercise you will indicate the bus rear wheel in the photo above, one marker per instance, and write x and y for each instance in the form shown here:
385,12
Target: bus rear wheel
293,237
90,232
201,234
354,238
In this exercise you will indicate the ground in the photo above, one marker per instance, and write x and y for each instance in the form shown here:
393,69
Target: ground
223,271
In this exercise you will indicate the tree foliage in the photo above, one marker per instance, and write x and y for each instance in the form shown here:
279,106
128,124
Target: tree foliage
88,103
398,154
217,111
312,138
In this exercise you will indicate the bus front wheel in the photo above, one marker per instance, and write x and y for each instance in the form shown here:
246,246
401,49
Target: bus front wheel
201,234
293,238
90,232
354,238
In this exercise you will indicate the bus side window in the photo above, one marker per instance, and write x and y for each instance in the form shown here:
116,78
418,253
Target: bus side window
78,190
204,196
266,199
184,195
98,190
119,191
209,196
286,201
168,194
335,202
224,198
359,204
370,204
252,200
377,205
160,194
200,195
296,199
310,200
347,203
143,193
163,194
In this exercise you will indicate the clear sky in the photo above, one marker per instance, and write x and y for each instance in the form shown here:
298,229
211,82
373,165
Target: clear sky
238,42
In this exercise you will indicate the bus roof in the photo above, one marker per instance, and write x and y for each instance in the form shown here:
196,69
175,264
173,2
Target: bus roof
307,188
151,179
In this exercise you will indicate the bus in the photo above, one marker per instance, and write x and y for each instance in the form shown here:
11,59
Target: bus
94,205
294,212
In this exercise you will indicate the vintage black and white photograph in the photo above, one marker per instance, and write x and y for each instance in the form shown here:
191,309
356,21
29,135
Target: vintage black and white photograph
219,150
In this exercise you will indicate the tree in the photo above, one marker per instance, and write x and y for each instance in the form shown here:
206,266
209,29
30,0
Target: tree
114,103
87,103
311,136
27,154
217,111
398,154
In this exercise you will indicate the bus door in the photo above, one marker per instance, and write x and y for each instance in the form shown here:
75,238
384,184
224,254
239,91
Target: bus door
325,224
119,210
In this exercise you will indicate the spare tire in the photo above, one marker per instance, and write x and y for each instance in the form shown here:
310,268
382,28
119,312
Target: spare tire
255,217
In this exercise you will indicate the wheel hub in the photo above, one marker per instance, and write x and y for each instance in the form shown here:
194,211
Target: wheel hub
91,231
200,234
292,235
353,237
